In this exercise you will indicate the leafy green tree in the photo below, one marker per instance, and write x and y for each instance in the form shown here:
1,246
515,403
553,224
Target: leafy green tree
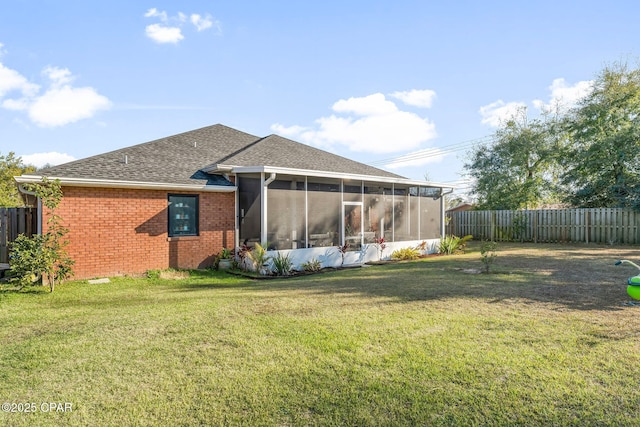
43,255
603,160
518,169
11,166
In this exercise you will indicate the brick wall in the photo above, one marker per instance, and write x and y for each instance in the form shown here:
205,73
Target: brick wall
121,231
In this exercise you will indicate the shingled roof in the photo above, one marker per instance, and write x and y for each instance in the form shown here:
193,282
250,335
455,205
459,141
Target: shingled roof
276,151
180,159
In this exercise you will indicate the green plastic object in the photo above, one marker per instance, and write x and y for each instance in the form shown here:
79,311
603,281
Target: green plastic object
634,287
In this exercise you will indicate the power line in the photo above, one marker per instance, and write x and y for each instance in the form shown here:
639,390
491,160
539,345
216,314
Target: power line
434,152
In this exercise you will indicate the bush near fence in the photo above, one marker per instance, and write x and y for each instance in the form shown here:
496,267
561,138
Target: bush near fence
15,221
594,225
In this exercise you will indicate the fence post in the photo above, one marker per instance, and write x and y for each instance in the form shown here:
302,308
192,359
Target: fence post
4,256
492,228
587,217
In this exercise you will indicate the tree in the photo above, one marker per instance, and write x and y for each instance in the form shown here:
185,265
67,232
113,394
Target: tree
43,255
11,166
518,169
603,162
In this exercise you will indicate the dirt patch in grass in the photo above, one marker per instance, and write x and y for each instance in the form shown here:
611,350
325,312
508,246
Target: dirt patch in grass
292,274
173,274
579,275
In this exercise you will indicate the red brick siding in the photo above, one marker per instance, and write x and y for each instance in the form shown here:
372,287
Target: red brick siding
122,231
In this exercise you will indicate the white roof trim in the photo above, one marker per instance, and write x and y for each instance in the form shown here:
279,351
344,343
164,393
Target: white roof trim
108,183
337,175
217,168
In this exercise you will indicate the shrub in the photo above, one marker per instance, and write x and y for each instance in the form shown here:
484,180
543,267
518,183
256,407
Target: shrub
451,244
282,264
488,253
258,256
312,266
244,258
43,255
519,226
405,254
422,246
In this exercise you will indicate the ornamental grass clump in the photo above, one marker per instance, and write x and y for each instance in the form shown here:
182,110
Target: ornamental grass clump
259,257
405,254
282,264
451,244
312,266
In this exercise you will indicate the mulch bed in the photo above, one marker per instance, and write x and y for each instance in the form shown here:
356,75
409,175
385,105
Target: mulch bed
253,275
295,273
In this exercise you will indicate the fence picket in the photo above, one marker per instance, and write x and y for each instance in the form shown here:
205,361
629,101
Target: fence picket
591,225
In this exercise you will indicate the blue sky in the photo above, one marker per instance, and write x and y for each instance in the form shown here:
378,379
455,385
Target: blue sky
369,80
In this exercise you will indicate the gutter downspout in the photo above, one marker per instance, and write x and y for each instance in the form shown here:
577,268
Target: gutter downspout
32,193
263,211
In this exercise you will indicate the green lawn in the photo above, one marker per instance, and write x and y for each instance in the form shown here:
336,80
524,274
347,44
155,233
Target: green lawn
544,340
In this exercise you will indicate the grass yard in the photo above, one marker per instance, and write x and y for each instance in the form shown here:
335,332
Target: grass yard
544,340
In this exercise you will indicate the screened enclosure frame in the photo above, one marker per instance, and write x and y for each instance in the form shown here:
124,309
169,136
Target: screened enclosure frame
291,211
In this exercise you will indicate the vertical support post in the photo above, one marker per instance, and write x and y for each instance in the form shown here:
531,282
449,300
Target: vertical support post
263,209
442,212
236,234
393,212
306,212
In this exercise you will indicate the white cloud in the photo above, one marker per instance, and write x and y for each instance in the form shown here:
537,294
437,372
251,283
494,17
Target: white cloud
371,105
289,132
365,124
162,34
496,113
170,28
564,97
11,80
58,76
41,159
155,13
201,23
416,98
16,104
59,105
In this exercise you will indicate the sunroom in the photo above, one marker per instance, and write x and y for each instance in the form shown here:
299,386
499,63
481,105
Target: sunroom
310,213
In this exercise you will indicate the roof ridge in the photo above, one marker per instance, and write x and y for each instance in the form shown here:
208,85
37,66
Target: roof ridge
246,147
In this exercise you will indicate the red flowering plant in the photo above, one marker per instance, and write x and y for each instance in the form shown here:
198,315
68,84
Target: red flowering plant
343,250
380,246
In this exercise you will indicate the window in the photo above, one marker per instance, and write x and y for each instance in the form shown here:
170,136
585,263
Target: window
183,215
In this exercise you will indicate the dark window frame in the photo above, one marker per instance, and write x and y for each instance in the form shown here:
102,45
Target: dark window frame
171,213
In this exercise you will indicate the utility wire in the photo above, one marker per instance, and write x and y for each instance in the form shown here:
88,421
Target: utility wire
434,152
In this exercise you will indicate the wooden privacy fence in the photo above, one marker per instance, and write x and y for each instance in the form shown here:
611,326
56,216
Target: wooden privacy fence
15,221
599,225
